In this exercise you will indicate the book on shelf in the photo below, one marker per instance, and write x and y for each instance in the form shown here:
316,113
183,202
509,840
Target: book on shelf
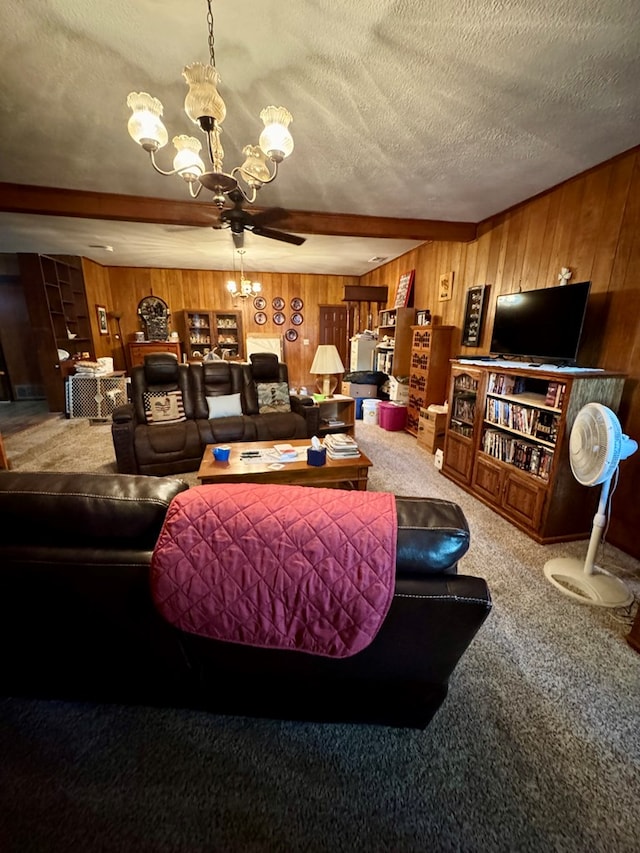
555,394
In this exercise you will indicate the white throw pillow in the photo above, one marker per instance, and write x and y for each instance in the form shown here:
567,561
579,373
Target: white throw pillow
224,406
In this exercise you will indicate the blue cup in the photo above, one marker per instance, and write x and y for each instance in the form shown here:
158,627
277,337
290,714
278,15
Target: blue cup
221,454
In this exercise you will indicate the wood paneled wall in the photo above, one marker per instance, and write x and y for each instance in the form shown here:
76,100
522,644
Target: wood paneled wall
187,289
590,224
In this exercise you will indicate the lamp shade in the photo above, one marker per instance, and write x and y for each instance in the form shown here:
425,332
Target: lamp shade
327,360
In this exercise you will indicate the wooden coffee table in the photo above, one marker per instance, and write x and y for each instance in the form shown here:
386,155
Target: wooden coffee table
337,474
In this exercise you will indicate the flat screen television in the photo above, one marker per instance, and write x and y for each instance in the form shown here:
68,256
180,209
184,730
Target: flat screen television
543,325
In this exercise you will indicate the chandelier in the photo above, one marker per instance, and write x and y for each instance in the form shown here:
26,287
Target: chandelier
247,287
205,107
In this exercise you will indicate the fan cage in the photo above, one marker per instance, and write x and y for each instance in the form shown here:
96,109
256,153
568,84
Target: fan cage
594,444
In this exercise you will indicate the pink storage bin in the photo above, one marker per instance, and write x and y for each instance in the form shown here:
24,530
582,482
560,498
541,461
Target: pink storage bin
392,416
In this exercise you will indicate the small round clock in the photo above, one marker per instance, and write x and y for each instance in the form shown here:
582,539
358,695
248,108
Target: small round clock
279,318
278,303
297,304
291,335
297,319
259,303
260,318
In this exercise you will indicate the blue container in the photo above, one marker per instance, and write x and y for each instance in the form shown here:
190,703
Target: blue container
317,457
359,402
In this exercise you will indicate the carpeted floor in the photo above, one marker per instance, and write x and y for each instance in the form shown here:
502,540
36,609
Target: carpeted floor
536,748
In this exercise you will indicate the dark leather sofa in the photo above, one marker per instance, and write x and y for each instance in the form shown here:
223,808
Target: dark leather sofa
79,622
171,448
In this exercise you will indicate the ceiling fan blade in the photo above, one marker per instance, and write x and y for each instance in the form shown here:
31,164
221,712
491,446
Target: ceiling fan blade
279,235
238,239
271,214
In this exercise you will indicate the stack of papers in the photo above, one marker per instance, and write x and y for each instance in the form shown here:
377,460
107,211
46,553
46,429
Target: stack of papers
285,452
341,446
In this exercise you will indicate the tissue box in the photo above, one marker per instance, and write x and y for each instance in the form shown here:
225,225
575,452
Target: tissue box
316,457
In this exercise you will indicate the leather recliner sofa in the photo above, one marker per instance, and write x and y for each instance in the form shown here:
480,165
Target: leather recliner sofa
79,622
162,449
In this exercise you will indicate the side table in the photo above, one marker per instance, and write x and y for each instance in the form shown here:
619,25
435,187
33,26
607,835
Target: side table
337,414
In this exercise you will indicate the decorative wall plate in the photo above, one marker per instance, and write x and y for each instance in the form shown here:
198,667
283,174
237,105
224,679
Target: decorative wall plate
278,303
297,304
279,318
259,303
260,317
291,335
297,319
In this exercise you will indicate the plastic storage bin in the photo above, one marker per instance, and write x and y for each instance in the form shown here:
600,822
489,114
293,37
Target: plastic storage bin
392,416
370,411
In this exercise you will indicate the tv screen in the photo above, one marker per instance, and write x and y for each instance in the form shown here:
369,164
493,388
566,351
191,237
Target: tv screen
541,324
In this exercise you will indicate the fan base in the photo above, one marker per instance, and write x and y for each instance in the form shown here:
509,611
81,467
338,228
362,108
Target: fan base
600,589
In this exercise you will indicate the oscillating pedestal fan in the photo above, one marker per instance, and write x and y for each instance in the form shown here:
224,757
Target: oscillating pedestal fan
596,447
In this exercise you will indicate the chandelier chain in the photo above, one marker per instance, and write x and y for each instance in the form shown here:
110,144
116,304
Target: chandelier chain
212,52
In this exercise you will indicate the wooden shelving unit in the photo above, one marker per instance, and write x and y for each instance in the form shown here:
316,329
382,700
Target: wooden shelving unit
507,442
392,356
57,304
203,330
428,370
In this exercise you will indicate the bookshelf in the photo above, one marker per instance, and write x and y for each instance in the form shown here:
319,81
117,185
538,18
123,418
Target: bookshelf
507,442
392,356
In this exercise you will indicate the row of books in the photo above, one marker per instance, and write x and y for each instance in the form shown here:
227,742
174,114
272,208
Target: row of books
533,421
341,446
521,454
555,394
501,383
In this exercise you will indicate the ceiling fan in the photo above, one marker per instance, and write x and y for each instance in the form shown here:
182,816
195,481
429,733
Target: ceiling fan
240,220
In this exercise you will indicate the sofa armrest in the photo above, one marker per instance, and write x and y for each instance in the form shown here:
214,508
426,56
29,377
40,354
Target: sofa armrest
123,430
310,411
433,535
124,414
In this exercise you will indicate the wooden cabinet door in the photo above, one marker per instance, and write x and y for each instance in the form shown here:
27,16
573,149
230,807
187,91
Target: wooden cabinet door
523,499
458,457
488,480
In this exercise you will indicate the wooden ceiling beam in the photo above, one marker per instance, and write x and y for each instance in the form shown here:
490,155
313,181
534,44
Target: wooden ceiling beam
55,201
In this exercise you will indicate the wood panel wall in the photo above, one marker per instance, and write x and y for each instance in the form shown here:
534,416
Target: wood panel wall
590,224
188,289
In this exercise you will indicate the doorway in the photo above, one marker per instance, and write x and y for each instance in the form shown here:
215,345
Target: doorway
334,329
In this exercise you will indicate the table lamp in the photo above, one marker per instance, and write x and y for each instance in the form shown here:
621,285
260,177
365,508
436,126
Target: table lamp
327,364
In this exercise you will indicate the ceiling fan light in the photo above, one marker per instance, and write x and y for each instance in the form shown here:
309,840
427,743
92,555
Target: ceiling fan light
275,139
231,287
145,125
187,160
203,98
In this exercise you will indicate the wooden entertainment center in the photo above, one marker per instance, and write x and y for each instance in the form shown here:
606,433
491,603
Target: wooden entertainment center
507,442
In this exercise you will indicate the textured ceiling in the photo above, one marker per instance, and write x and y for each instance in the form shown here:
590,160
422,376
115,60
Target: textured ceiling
428,110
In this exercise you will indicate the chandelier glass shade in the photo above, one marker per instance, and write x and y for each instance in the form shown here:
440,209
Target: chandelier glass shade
247,287
206,108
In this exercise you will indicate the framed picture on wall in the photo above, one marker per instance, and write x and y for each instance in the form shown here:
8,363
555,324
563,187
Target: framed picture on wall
103,324
404,290
473,315
446,287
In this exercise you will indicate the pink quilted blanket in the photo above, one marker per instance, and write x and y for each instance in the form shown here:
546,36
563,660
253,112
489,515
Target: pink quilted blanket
287,567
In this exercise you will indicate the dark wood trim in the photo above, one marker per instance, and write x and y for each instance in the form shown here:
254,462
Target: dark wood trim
55,201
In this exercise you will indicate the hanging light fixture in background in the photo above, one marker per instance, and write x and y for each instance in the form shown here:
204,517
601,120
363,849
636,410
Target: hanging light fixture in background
247,287
205,107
